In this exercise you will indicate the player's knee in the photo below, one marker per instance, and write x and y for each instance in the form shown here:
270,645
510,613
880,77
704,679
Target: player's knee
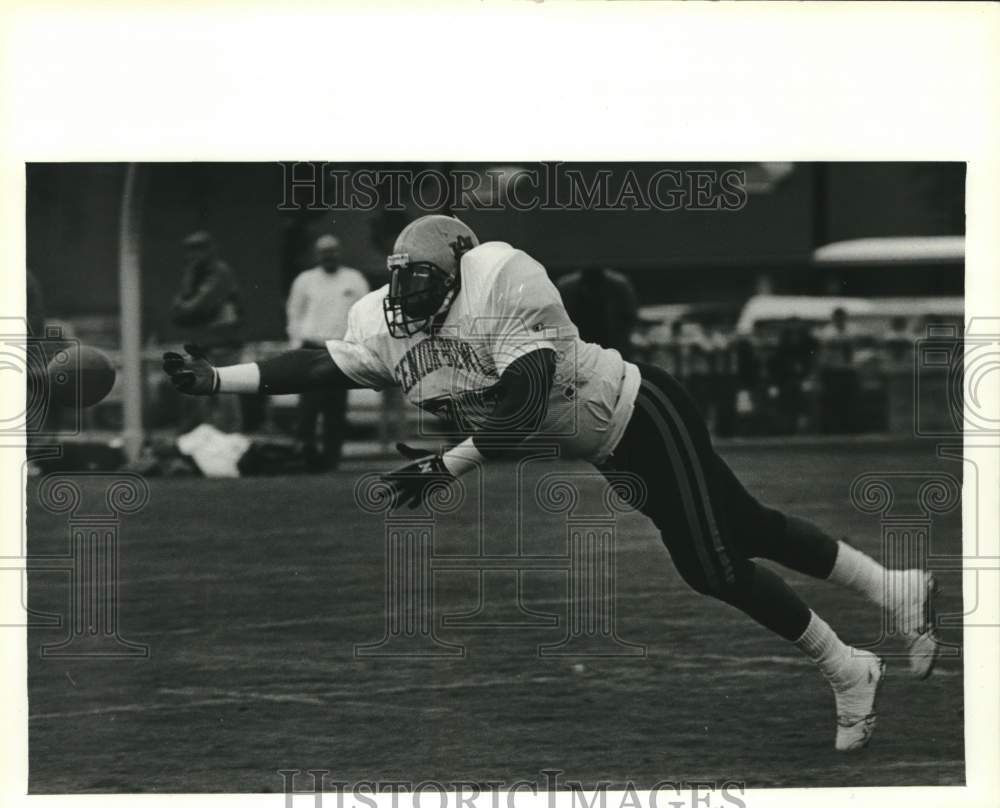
694,577
714,583
702,585
728,584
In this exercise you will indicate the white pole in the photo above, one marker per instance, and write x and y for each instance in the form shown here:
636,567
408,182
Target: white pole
130,302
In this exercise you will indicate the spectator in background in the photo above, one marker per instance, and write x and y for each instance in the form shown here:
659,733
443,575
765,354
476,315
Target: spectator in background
672,356
838,376
897,344
723,380
35,306
36,380
837,339
207,312
791,366
698,363
602,305
318,303
748,382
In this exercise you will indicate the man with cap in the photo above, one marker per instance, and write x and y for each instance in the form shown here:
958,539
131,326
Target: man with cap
317,308
207,311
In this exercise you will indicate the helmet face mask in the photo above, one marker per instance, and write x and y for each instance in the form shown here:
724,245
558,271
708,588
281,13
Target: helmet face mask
418,291
425,273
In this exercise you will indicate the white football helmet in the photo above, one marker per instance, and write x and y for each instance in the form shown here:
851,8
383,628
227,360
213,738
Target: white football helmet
425,274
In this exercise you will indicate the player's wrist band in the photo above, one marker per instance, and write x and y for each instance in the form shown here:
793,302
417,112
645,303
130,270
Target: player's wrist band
462,458
238,378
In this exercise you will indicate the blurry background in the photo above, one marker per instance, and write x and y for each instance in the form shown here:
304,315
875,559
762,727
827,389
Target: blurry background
799,313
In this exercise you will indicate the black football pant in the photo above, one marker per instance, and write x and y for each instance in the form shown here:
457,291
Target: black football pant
711,525
331,404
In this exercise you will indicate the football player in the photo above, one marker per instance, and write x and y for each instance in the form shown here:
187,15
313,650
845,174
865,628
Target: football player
477,333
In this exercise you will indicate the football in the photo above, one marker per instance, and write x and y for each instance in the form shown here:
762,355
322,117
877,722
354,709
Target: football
80,376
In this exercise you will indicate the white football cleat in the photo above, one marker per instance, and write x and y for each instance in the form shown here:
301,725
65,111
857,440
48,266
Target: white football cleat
915,620
856,704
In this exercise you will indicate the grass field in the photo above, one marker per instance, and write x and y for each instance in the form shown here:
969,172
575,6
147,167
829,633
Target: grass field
252,595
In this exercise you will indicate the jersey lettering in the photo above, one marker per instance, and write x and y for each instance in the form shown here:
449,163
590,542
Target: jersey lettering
435,353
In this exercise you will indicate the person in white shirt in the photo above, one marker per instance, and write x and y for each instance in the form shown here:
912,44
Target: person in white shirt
317,308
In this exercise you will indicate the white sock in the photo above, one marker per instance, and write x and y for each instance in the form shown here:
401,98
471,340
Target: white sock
820,643
863,574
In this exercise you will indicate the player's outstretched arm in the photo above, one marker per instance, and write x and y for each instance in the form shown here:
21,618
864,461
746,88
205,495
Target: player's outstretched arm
298,371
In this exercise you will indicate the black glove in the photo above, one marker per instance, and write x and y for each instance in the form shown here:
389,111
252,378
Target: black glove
411,483
193,374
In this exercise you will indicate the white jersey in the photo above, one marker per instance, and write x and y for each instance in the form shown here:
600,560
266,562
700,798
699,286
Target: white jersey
506,308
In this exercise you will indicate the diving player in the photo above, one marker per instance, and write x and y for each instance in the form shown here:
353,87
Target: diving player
477,333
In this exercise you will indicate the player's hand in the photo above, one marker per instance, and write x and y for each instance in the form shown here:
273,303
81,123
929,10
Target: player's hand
412,482
192,374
